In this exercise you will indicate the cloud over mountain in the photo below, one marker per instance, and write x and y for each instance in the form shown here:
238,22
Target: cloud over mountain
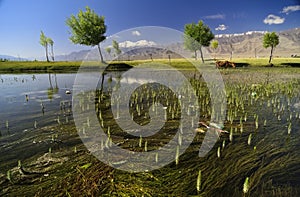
221,27
272,19
140,43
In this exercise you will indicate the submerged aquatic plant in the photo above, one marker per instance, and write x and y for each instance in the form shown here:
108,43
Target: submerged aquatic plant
8,175
19,164
146,146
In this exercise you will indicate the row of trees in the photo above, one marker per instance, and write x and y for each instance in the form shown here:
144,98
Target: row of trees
88,28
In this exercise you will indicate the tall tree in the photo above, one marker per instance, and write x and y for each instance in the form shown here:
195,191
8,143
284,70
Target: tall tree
270,40
214,45
197,36
51,43
87,28
116,47
44,43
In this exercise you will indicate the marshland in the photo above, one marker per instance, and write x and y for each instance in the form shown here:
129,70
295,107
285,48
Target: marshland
258,155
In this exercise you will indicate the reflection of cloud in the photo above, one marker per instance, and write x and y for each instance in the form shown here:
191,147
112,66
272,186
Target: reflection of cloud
216,16
289,9
221,27
272,19
136,33
140,43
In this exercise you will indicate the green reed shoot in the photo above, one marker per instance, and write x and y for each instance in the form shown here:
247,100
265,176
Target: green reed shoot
289,128
219,152
246,186
249,139
198,185
140,141
177,155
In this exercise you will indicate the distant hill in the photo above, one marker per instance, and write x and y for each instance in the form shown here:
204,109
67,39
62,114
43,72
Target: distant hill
247,45
12,58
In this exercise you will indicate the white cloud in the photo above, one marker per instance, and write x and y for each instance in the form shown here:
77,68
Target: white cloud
289,9
216,16
221,27
140,43
272,19
136,33
113,37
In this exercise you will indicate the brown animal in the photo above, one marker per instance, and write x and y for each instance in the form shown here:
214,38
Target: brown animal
224,64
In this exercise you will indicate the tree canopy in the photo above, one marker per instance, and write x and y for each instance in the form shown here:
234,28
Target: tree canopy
214,45
270,40
44,43
87,28
197,36
116,47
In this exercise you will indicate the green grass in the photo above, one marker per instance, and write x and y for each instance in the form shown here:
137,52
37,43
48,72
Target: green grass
64,66
36,66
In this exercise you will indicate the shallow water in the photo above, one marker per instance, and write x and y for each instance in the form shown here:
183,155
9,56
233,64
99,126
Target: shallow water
271,159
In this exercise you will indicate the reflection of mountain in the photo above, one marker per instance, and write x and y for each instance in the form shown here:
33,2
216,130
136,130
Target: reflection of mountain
246,44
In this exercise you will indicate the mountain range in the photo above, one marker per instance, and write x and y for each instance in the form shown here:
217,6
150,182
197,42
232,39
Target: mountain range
240,45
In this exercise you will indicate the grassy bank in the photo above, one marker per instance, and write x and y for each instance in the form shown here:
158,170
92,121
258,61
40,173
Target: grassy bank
37,66
41,66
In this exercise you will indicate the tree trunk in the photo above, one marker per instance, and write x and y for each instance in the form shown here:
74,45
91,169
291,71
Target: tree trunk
46,47
271,54
101,57
195,54
52,53
200,49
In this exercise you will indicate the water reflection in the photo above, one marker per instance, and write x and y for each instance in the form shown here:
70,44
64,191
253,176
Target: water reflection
26,98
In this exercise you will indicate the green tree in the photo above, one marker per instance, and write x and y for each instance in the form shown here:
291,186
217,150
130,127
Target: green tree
44,43
270,40
87,28
116,47
214,45
197,36
51,43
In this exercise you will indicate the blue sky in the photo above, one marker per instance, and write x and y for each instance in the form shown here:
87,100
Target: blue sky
22,20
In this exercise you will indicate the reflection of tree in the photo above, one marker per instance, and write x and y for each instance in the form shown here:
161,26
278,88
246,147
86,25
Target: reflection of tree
56,86
51,91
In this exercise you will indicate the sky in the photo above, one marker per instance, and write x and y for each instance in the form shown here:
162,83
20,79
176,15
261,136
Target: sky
21,21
